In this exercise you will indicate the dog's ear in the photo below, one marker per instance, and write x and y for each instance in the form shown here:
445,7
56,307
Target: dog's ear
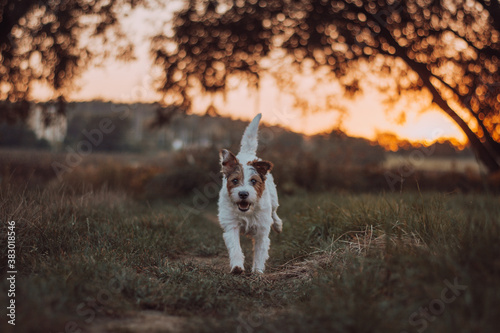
228,161
262,167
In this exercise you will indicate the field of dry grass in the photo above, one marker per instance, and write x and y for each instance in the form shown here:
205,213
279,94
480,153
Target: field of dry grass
131,243
102,261
447,164
162,175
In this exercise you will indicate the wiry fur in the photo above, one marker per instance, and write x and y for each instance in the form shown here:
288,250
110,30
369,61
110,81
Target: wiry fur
248,201
249,141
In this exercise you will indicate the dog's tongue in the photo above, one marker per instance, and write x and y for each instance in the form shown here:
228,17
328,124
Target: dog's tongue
243,205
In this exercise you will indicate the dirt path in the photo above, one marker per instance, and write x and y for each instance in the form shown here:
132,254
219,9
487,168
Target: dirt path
155,321
144,321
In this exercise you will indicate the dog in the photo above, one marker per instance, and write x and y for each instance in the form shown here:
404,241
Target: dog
248,201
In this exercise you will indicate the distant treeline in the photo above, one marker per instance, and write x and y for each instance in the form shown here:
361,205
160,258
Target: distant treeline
134,130
19,135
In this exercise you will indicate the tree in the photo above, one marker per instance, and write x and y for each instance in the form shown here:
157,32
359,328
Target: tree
448,50
53,42
20,135
114,140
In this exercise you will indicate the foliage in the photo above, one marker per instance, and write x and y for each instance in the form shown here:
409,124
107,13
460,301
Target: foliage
19,135
115,140
407,43
52,42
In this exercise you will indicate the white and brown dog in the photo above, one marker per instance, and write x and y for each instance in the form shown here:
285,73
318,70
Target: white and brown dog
247,201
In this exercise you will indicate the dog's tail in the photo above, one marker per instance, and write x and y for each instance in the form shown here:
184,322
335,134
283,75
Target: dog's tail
249,140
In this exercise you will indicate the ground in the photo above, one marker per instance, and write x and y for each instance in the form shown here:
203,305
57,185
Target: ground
100,261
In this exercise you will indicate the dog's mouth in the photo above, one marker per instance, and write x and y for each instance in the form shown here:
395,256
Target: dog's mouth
243,205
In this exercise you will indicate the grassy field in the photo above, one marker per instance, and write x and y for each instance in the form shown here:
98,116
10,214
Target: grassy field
457,164
102,262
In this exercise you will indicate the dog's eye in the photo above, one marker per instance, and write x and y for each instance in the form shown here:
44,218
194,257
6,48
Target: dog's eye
253,181
235,181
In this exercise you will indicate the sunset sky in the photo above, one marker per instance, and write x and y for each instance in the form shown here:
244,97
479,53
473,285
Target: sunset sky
131,82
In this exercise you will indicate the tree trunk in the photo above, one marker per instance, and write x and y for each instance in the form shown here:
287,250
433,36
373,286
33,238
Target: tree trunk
487,156
489,159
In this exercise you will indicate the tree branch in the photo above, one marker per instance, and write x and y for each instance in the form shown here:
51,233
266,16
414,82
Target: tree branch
492,143
494,9
425,76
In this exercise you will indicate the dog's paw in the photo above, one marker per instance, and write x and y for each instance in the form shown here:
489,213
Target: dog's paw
278,227
237,270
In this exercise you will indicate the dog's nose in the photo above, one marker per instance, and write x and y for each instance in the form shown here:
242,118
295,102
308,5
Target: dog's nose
243,195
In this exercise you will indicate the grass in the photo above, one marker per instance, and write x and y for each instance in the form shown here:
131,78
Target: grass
101,261
453,164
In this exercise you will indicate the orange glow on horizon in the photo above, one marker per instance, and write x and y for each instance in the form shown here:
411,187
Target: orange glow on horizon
366,116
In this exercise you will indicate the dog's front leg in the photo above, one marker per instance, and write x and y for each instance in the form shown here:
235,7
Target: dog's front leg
236,257
261,245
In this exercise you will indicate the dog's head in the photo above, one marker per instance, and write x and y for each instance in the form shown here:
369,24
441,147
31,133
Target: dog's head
245,183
